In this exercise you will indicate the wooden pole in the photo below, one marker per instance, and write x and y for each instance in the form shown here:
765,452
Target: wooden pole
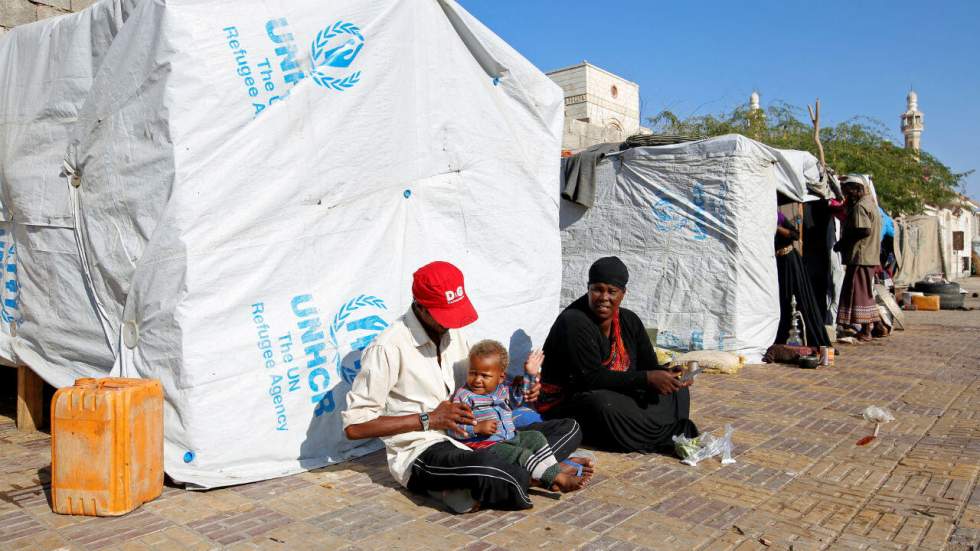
30,400
815,119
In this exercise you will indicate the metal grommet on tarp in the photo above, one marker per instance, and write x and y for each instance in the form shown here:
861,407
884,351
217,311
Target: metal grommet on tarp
73,177
130,334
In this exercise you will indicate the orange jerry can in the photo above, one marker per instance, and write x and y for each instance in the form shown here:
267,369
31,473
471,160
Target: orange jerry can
106,446
926,302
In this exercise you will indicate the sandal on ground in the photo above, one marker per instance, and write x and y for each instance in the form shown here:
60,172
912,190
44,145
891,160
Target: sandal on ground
577,466
585,454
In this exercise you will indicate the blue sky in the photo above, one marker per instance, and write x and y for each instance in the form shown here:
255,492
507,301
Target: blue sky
858,57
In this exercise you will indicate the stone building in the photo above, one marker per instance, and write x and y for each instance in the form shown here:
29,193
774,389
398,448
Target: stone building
20,12
599,106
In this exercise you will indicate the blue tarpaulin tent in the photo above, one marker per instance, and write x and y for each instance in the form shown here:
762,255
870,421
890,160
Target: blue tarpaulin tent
887,224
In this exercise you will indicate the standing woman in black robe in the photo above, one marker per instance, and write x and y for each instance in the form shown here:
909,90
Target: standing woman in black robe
601,369
793,282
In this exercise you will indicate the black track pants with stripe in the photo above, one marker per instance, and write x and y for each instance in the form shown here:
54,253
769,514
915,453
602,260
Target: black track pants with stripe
493,482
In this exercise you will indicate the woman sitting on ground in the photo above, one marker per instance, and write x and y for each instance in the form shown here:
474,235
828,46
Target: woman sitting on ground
601,370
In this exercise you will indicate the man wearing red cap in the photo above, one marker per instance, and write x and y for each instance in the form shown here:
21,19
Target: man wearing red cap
402,392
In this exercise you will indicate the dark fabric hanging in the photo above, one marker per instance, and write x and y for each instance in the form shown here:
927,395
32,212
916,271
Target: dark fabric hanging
818,225
793,281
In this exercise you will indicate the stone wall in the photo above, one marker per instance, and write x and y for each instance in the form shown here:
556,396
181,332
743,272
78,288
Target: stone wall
573,84
578,135
604,107
21,12
599,106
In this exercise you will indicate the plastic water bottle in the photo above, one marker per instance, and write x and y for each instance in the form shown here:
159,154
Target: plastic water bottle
528,382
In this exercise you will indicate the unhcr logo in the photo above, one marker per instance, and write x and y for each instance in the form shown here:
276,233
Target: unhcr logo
332,53
354,327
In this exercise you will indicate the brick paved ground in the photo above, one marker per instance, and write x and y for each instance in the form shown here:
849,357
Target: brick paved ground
800,482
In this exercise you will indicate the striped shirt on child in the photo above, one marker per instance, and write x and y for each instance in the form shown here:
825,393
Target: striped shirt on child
496,406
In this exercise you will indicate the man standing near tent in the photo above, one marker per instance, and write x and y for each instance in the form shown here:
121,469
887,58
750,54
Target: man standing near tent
860,249
402,392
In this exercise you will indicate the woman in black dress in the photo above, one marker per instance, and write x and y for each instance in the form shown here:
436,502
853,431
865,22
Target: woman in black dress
793,282
601,369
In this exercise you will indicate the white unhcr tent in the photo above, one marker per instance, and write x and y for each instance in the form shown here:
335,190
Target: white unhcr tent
46,69
256,182
694,222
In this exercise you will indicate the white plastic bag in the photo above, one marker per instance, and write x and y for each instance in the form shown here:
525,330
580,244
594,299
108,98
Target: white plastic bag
694,450
877,416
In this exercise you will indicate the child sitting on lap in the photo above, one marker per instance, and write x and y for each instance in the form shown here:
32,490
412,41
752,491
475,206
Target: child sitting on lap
491,399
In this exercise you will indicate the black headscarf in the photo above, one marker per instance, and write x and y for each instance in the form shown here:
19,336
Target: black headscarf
609,270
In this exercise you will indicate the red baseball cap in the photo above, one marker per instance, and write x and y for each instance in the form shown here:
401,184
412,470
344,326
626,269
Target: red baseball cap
438,286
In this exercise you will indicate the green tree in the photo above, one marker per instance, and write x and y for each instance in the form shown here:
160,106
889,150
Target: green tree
904,182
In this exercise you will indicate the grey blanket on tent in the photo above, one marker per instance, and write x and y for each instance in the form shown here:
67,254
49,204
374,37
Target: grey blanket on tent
578,172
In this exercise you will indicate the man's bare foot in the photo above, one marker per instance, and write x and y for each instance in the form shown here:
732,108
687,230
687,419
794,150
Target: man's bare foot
565,483
588,468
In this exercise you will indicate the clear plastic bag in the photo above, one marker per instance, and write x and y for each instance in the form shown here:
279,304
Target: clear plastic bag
726,446
693,450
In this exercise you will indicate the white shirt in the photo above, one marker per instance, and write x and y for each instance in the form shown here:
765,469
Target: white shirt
400,375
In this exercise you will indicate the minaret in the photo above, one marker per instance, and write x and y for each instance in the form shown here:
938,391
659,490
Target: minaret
754,101
912,125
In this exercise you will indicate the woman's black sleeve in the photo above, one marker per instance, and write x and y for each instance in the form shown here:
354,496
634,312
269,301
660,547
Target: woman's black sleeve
586,366
646,356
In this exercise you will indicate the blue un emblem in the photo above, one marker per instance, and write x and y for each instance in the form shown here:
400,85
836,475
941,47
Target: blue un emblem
354,327
332,53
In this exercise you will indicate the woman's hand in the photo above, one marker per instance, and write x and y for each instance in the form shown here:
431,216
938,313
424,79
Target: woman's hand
532,364
663,381
534,392
449,416
678,371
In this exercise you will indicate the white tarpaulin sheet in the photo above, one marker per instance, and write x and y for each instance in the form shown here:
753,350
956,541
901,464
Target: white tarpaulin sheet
694,222
46,69
919,240
257,181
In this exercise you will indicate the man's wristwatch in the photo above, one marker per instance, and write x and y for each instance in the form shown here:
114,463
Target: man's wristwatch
424,417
